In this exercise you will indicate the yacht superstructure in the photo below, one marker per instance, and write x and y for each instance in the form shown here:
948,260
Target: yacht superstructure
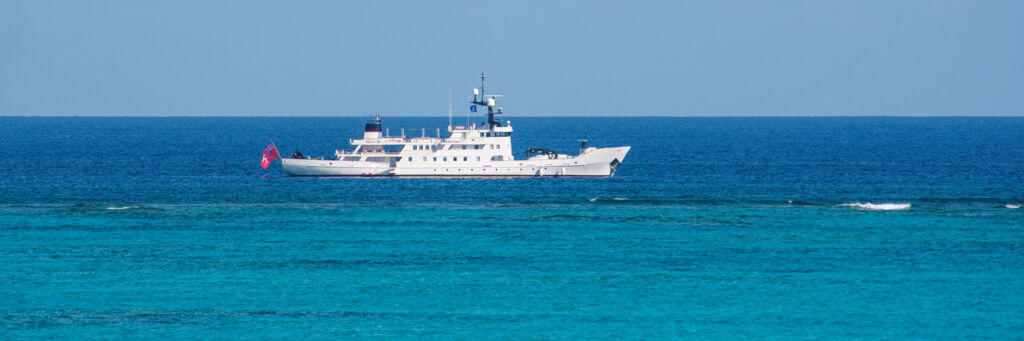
468,151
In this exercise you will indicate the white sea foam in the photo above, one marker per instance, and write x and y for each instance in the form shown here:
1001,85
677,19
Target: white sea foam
877,207
121,207
1012,206
593,199
620,199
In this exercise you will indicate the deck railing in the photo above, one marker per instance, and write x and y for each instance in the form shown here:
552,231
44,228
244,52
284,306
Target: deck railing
366,152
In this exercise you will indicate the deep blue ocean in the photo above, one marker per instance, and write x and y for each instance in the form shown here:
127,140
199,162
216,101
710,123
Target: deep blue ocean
713,228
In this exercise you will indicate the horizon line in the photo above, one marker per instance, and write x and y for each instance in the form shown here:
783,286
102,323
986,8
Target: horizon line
516,116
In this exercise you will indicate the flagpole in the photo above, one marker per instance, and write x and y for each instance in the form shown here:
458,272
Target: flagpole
275,148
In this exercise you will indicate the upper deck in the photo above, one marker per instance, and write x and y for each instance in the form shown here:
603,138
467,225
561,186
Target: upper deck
459,134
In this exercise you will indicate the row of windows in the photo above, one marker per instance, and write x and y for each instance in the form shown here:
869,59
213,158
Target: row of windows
445,158
475,146
498,134
495,169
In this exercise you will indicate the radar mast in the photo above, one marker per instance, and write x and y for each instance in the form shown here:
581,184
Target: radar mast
488,101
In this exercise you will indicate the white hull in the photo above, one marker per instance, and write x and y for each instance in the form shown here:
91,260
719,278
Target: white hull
468,151
315,167
594,163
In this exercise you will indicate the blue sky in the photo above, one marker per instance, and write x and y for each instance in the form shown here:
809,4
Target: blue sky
705,58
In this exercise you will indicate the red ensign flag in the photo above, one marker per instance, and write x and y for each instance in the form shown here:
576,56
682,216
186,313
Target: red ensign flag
269,155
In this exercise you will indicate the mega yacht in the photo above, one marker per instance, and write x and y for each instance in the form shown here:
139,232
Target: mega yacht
483,150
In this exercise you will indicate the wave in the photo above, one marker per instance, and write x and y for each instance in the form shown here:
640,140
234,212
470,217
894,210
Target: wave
877,207
1012,206
628,201
109,208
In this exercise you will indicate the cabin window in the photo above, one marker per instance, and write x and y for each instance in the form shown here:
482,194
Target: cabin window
424,158
410,158
496,158
465,158
463,146
476,146
478,158
444,158
435,158
497,146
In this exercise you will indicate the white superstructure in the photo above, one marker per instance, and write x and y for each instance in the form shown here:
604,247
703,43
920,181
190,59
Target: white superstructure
470,151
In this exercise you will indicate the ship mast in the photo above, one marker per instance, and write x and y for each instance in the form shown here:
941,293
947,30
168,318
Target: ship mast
486,101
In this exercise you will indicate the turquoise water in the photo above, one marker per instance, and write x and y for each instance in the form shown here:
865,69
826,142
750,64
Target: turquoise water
156,228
